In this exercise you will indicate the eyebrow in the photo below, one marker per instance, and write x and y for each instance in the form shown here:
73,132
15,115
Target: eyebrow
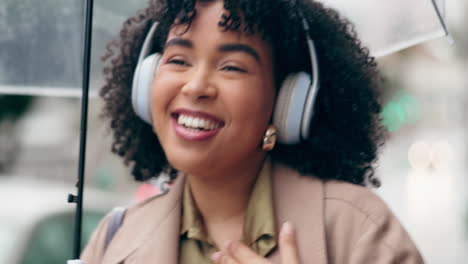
179,42
236,47
230,47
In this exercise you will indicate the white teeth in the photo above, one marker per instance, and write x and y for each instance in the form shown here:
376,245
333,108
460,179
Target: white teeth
202,123
196,123
189,121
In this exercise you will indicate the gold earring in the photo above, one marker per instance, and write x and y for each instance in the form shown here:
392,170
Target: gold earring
269,140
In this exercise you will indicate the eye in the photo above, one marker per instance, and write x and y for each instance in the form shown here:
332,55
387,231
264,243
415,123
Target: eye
230,68
178,62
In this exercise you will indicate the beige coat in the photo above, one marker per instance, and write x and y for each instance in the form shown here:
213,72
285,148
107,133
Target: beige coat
336,222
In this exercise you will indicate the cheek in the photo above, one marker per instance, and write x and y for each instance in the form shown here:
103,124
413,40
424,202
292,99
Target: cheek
159,90
262,99
162,93
253,107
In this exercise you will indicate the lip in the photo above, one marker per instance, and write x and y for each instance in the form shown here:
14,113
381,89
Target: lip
190,135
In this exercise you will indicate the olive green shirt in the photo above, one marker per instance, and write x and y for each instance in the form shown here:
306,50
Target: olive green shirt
259,225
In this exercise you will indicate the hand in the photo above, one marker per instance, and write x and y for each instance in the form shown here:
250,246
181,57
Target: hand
238,253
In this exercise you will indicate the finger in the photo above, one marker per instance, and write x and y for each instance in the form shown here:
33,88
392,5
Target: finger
287,244
243,254
222,258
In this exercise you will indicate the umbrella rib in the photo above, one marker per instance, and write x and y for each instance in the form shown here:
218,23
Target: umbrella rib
441,18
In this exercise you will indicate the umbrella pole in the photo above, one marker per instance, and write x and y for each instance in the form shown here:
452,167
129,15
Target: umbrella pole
78,199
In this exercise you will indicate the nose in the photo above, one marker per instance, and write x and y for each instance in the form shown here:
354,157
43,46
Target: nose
199,85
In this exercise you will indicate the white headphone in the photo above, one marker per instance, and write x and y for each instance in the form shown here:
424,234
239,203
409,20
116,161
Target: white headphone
294,106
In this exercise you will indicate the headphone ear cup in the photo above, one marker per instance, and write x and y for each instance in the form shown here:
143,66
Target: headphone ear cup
141,87
290,106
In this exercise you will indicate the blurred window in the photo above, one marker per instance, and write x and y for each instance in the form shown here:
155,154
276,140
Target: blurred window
52,239
41,43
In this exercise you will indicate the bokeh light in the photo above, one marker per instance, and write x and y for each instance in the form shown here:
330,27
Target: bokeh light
400,110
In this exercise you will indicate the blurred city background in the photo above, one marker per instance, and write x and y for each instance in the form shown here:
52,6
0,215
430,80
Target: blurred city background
422,166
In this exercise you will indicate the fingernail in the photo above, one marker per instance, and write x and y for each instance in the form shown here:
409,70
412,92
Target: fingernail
287,229
216,256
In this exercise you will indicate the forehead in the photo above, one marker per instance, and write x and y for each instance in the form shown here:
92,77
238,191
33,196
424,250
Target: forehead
205,28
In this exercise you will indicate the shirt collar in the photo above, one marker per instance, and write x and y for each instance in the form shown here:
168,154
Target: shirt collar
191,225
260,218
259,223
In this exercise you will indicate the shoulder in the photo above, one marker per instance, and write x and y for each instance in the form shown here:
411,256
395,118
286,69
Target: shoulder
96,247
139,221
141,207
353,210
353,199
343,202
360,226
338,197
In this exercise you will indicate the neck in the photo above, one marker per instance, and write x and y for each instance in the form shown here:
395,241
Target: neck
224,197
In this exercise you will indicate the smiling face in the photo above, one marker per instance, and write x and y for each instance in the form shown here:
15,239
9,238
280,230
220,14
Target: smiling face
213,95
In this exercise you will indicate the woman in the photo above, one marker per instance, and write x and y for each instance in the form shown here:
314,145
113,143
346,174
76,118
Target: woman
237,195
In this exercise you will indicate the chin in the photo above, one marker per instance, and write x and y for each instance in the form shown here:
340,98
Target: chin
189,163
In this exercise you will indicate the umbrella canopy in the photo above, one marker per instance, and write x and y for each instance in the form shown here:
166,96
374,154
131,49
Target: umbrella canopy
35,34
389,26
48,33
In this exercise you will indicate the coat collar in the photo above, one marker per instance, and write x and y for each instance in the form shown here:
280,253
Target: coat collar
299,200
153,229
154,224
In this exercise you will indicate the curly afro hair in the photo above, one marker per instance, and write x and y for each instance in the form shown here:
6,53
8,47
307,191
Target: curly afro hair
346,129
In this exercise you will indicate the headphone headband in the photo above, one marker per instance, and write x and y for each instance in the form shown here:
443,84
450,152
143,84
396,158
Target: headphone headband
314,86
146,48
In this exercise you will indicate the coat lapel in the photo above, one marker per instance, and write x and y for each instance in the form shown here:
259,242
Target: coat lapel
299,200
153,229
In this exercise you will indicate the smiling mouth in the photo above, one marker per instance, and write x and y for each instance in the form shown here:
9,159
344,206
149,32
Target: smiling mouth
197,122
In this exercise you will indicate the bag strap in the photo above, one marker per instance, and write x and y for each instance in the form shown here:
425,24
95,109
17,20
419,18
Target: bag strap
115,221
